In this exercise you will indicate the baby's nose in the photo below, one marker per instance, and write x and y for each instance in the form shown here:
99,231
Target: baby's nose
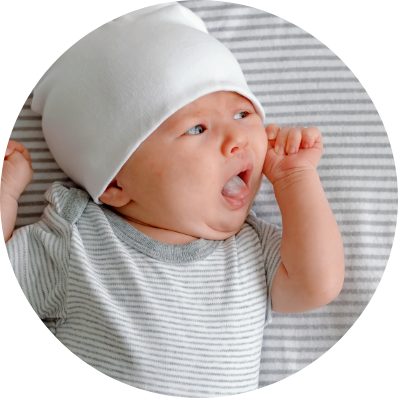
235,139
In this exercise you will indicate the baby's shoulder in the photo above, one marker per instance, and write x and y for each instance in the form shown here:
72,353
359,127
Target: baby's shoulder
67,202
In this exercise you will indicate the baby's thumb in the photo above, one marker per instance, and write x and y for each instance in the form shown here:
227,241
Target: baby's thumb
10,148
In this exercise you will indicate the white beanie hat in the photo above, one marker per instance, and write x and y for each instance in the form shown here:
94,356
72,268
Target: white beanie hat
114,87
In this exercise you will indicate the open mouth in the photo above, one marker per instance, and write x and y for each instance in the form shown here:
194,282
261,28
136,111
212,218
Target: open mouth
237,190
245,176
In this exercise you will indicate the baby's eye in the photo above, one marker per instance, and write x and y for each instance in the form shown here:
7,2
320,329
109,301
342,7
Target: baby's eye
240,115
196,130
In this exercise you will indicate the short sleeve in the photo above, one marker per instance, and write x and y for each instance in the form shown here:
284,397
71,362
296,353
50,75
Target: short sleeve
39,255
270,239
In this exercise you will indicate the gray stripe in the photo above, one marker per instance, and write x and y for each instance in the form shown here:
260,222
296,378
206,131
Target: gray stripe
305,327
304,80
304,91
32,203
33,192
306,315
286,360
238,28
364,211
29,128
297,69
32,117
49,180
358,189
359,144
346,279
354,134
213,7
367,257
363,233
40,160
38,150
264,37
238,17
357,156
294,349
340,200
367,222
356,167
321,337
289,58
29,215
358,178
324,113
332,101
335,211
276,48
33,139
365,267
351,303
48,170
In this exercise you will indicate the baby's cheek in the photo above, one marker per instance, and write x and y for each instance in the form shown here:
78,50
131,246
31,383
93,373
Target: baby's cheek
260,143
156,171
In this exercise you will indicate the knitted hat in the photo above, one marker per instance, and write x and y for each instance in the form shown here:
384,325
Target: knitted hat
114,87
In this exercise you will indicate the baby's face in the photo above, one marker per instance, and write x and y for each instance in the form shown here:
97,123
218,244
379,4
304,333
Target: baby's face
177,178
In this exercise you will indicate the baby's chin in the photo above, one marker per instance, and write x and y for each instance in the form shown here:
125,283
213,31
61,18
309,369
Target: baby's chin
224,229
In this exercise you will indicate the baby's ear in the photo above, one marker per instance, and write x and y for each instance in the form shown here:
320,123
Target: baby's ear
114,195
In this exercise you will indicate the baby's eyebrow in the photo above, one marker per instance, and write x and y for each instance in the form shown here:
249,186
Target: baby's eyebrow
244,102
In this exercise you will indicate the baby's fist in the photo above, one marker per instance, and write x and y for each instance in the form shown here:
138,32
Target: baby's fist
17,170
288,140
291,149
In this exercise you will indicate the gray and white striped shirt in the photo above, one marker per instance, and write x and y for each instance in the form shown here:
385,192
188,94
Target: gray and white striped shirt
182,320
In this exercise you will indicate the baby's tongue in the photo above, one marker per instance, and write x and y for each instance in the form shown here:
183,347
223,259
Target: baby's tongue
235,188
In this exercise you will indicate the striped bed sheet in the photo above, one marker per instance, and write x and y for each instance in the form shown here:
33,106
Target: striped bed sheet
299,81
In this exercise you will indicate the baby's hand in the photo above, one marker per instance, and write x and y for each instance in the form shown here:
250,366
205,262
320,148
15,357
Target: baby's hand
291,149
17,171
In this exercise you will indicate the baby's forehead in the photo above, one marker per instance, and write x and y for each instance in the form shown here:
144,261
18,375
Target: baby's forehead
223,96
215,100
212,104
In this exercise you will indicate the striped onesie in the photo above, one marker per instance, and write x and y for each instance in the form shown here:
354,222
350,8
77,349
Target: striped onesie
183,320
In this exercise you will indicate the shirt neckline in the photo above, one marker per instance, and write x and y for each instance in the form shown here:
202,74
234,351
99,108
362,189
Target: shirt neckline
192,251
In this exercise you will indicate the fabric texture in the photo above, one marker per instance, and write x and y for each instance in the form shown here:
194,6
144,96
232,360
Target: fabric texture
184,320
114,87
299,81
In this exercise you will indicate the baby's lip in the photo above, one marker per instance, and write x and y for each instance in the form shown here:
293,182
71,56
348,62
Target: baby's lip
244,171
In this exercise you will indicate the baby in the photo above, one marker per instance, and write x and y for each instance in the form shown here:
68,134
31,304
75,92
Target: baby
157,273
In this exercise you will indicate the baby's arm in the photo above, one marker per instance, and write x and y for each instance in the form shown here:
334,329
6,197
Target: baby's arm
311,273
17,174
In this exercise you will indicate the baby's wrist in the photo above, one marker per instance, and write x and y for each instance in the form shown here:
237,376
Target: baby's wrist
9,195
9,209
294,177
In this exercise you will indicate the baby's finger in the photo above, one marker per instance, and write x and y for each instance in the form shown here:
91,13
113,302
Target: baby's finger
16,146
272,131
280,143
310,135
10,148
13,146
294,140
